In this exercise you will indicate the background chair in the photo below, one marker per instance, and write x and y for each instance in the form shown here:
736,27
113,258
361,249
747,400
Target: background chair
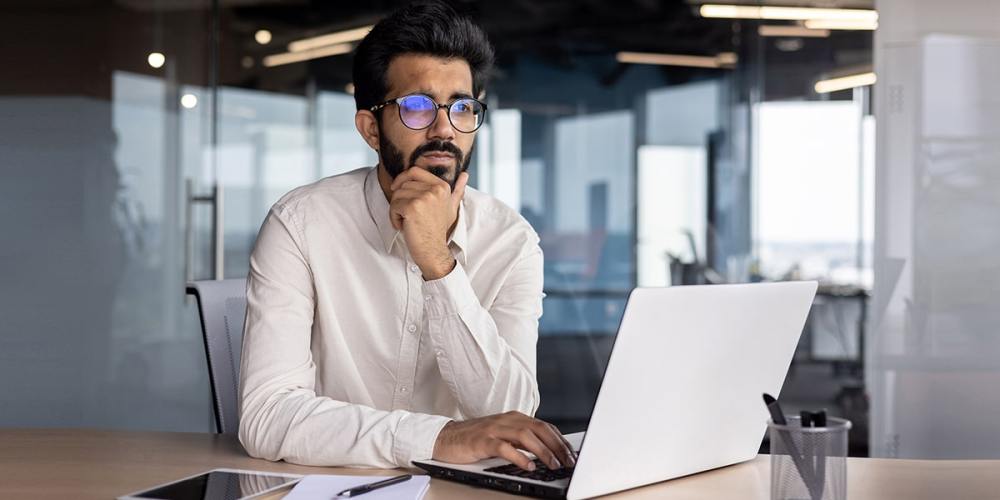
222,306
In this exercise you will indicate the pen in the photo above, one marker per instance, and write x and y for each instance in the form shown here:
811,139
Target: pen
365,488
815,419
778,417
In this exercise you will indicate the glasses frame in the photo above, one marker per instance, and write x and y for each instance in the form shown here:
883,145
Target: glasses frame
437,106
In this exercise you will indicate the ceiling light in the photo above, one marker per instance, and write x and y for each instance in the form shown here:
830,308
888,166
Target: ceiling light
723,59
786,44
156,59
730,11
339,37
262,37
726,58
784,13
768,30
844,82
293,57
189,101
837,24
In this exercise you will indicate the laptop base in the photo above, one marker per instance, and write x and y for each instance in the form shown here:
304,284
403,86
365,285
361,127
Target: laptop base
493,482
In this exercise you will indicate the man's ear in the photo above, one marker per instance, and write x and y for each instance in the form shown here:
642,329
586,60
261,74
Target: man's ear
367,126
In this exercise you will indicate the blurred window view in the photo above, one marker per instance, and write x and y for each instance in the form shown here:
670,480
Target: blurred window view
814,188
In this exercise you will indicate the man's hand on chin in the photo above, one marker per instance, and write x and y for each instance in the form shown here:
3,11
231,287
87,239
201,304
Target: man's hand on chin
503,436
424,208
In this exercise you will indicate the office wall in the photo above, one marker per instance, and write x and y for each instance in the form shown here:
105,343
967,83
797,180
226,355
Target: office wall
934,344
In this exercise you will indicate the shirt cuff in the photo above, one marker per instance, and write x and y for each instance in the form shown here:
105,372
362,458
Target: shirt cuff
448,295
415,437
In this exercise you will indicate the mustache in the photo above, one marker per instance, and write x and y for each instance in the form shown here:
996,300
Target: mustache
436,146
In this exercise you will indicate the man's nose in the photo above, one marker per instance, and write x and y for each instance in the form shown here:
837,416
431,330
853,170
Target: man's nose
441,128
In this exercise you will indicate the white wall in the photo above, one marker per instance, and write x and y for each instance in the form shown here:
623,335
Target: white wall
933,364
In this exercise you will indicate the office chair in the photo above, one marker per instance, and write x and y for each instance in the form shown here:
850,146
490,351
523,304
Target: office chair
222,306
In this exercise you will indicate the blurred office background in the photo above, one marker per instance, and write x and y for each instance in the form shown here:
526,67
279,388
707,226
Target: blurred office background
649,143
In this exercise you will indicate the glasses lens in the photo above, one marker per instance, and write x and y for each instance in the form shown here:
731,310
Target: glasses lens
417,111
466,114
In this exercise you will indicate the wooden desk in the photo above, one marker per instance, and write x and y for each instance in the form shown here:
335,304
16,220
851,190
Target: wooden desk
46,463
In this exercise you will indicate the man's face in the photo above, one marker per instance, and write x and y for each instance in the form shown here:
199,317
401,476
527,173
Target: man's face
439,149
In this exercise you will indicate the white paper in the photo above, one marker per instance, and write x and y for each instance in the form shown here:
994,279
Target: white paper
319,486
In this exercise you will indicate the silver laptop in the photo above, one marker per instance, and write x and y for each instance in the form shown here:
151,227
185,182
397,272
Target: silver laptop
681,393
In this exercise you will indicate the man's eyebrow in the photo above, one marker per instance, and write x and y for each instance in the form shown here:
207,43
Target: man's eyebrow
456,95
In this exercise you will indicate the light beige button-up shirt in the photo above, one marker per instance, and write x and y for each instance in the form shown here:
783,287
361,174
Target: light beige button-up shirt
351,358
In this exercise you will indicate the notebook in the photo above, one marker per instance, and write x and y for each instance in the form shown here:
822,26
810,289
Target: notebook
326,486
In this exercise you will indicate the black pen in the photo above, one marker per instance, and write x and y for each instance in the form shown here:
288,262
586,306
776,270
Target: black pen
817,419
806,472
365,488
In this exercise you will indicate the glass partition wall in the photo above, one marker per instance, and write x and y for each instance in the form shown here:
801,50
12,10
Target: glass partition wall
144,142
102,123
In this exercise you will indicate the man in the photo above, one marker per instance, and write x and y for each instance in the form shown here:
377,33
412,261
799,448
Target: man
392,312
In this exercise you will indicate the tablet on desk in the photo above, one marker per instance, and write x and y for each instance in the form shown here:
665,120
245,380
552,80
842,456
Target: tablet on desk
218,484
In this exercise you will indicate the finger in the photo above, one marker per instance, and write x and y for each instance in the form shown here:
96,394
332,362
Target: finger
405,194
399,209
525,438
405,175
415,184
562,438
553,445
507,451
550,435
415,173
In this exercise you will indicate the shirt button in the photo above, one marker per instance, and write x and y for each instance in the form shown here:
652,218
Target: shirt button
428,297
439,353
411,328
415,268
402,389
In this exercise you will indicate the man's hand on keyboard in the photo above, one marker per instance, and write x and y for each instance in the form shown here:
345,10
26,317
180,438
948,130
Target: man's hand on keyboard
502,436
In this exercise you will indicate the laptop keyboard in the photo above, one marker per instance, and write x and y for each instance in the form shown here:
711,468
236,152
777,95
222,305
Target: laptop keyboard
541,473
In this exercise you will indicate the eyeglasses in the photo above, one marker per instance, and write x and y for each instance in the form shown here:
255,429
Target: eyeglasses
418,111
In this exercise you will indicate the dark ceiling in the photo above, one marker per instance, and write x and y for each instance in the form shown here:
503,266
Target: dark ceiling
556,32
570,35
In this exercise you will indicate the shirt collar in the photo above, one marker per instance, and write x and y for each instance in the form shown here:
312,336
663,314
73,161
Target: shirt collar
460,236
378,206
379,209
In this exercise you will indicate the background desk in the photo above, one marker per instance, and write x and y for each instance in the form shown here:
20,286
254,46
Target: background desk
46,463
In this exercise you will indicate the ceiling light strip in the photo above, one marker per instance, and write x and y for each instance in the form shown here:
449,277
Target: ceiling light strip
844,83
827,24
770,30
294,57
675,59
339,37
785,13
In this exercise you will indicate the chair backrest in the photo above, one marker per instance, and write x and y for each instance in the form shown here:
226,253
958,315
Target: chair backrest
222,305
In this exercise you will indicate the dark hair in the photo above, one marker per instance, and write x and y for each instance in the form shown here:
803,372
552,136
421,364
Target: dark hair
431,28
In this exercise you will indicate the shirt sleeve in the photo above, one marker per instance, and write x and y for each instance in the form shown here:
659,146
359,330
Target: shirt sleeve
487,356
281,417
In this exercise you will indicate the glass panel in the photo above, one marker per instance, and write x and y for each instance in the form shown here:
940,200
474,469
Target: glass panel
934,346
95,332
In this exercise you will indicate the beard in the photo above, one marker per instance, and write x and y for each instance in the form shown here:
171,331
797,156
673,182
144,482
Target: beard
392,159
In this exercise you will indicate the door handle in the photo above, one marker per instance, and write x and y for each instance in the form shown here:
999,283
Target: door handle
215,200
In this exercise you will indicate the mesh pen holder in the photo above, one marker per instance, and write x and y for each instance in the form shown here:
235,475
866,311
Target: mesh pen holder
809,463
